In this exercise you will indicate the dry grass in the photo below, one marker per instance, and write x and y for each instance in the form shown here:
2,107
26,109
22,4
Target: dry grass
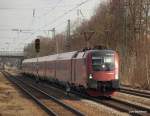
13,103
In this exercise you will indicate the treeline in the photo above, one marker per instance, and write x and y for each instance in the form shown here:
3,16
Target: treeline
122,25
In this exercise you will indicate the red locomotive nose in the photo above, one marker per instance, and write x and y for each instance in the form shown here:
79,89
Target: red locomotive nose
104,76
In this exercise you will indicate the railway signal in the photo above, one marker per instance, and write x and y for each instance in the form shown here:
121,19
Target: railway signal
37,45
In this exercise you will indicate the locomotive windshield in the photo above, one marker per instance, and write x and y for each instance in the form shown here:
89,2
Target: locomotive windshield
103,61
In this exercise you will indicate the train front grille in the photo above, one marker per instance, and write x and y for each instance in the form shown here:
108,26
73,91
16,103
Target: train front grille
104,86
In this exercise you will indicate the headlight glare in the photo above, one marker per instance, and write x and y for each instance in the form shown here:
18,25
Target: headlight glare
116,76
90,76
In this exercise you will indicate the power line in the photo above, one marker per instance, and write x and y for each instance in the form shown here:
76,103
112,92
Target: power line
5,29
59,17
53,8
16,8
67,12
26,8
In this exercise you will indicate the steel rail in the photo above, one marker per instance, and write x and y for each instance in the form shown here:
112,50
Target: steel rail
120,105
112,102
58,101
43,106
68,107
135,92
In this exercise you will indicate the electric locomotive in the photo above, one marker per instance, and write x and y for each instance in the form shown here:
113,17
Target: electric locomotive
103,70
95,70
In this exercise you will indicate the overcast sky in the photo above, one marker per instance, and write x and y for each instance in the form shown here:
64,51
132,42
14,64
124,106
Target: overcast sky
36,16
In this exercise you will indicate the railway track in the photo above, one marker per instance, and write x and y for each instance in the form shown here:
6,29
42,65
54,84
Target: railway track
49,104
141,93
123,106
120,105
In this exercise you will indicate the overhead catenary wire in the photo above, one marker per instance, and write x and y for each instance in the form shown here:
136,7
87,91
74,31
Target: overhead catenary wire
57,18
61,16
53,8
43,15
31,8
64,14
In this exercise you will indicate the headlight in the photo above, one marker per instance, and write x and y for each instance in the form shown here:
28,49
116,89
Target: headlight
116,76
90,76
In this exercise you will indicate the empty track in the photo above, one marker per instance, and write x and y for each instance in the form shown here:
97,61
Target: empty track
141,93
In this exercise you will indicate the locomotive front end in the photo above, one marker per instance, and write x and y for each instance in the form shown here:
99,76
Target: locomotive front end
103,72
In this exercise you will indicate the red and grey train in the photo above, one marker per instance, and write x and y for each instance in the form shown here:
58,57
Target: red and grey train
94,70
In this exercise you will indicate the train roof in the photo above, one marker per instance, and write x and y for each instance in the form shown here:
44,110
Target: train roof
61,56
65,56
103,51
